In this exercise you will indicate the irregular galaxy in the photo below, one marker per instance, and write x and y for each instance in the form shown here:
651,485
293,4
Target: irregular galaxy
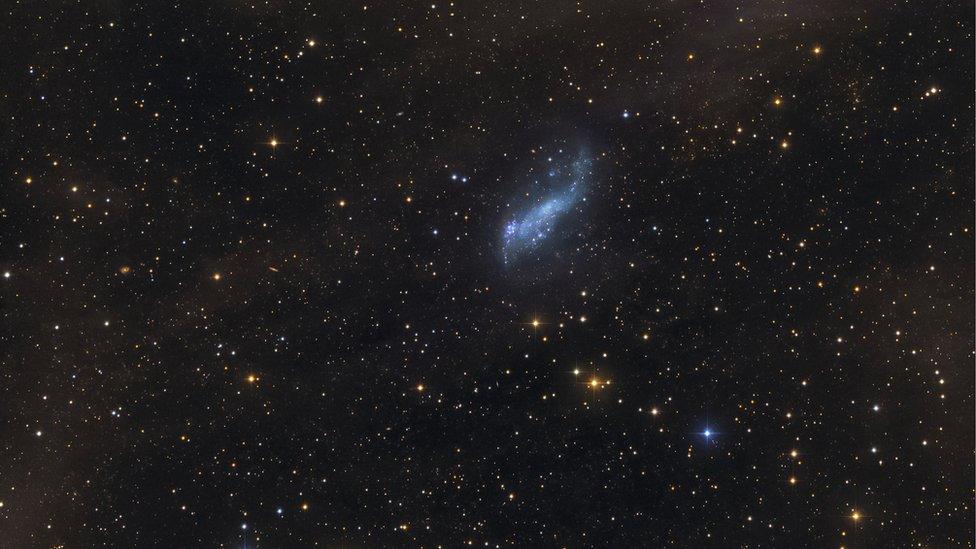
528,230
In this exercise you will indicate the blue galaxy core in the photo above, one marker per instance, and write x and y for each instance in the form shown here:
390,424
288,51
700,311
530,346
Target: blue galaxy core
527,230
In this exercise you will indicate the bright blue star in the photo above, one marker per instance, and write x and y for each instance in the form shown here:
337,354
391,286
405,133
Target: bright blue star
708,433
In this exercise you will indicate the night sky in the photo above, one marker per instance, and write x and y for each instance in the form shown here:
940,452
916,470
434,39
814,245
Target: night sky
491,274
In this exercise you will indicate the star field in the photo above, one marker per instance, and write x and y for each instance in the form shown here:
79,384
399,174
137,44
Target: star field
487,274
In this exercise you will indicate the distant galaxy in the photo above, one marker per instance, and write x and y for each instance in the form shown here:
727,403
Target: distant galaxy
558,194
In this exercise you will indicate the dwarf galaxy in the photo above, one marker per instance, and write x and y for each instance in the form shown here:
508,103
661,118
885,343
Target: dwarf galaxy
559,195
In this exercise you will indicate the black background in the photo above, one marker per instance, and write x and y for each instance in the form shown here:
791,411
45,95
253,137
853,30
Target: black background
785,291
